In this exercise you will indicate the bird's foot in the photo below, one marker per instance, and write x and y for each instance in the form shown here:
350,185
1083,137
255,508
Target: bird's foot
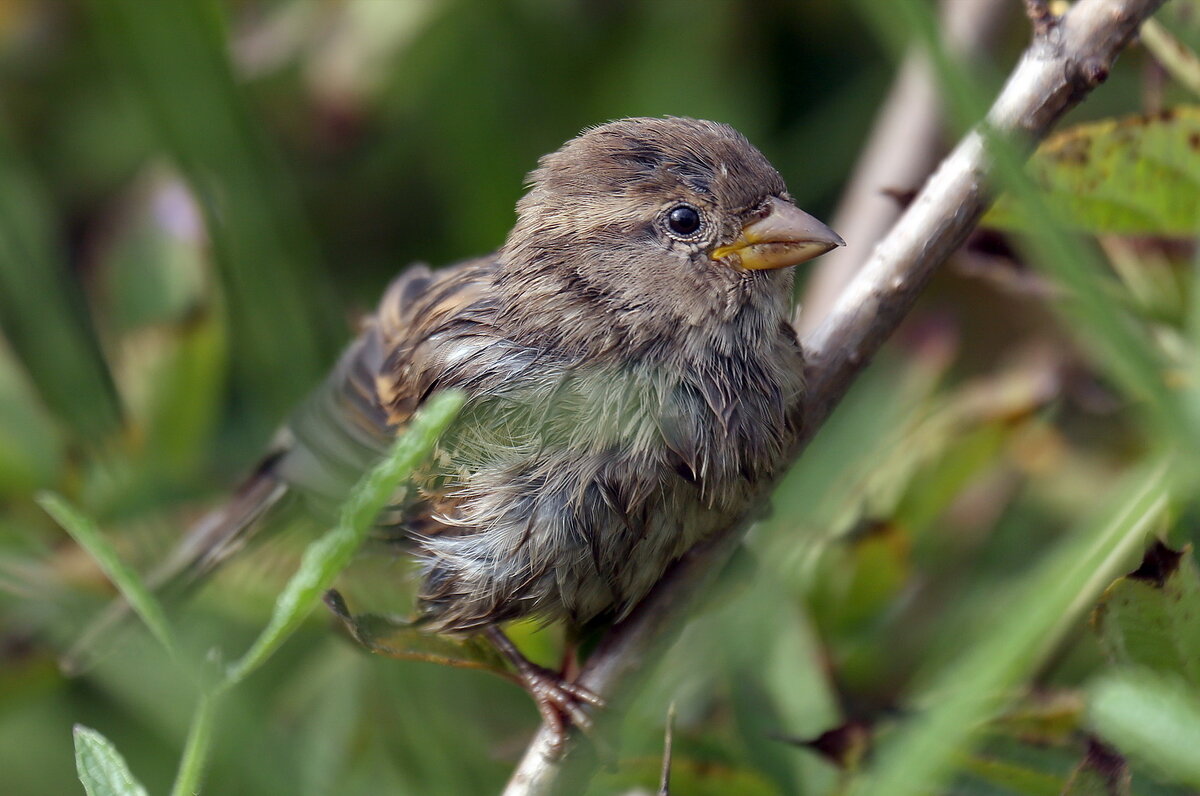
561,703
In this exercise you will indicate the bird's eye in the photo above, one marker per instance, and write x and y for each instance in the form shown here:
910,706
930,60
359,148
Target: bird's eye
683,219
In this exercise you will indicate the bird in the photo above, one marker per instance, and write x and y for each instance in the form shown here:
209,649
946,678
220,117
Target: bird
630,375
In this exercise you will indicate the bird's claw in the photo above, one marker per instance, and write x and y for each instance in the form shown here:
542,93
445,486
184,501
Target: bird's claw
560,702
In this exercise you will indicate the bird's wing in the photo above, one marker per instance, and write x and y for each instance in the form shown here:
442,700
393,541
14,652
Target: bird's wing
380,381
338,433
348,422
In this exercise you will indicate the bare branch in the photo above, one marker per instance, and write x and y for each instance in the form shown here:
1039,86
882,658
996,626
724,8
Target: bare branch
1054,74
903,148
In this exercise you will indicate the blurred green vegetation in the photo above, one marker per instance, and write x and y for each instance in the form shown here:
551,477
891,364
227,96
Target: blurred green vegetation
197,200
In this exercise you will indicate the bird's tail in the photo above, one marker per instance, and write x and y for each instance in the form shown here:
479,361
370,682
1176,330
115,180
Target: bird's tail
207,544
335,436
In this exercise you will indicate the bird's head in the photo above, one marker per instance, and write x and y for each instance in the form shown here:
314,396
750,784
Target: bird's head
677,218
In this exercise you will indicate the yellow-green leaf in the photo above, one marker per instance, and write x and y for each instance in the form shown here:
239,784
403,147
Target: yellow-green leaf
1139,175
1152,718
1151,617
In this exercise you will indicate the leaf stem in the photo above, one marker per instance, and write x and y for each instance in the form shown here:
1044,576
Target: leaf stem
1180,61
195,752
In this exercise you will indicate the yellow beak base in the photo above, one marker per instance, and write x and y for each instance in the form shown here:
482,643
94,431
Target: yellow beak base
786,236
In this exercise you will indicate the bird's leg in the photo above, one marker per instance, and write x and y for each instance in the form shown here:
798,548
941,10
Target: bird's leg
561,703
569,669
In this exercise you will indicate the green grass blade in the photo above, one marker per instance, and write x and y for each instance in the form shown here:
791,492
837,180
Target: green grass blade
42,311
89,537
174,56
195,752
973,688
327,556
101,768
1151,718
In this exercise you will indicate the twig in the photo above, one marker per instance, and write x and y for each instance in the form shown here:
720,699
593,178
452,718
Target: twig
1054,74
664,782
903,148
1174,56
1041,15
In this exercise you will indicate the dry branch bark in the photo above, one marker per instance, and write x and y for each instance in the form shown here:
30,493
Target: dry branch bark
905,144
1064,62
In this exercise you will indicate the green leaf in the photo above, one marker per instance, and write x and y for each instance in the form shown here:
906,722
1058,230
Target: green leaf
1045,719
1152,718
42,310
395,638
1139,175
1151,617
183,405
920,757
174,56
327,556
89,537
859,579
1014,777
31,444
101,768
1118,344
159,302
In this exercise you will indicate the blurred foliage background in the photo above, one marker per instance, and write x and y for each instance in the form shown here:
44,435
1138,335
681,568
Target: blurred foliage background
198,199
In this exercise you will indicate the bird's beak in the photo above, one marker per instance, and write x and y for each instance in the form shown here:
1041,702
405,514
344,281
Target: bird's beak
785,236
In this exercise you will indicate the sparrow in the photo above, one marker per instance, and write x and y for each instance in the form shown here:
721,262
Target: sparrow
630,372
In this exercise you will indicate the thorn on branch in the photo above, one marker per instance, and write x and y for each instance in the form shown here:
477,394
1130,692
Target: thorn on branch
903,197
